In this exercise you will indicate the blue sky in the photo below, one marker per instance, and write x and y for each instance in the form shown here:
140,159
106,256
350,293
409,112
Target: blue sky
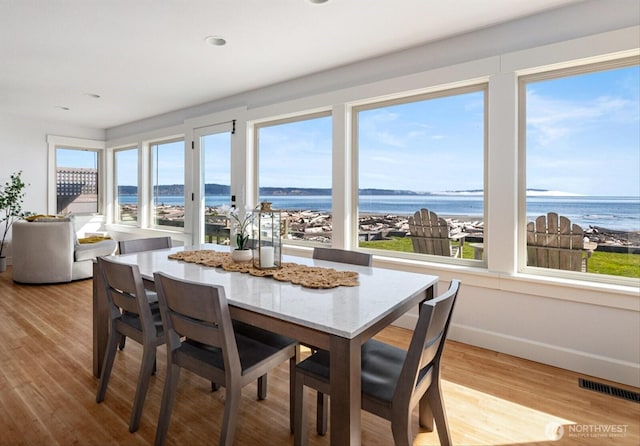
583,137
583,133
427,146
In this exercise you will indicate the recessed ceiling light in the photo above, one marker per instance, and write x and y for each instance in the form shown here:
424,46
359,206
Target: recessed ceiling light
62,107
93,95
318,2
215,40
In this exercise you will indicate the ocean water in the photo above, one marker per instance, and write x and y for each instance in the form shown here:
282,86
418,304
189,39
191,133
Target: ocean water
618,213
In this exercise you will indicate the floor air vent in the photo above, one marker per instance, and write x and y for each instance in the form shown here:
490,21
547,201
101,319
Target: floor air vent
609,390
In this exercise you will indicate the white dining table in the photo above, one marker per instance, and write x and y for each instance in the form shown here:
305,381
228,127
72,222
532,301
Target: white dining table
339,319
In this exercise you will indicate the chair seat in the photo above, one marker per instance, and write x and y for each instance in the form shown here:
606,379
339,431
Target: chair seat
381,366
264,336
251,351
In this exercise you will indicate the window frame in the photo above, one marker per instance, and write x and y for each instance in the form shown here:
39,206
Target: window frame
543,74
274,121
433,93
64,142
199,171
151,207
116,203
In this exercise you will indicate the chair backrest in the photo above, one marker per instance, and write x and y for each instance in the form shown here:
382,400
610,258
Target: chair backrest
554,242
124,289
143,244
197,312
427,342
429,233
342,256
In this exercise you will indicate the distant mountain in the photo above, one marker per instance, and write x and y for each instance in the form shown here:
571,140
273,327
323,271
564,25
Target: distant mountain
298,191
221,189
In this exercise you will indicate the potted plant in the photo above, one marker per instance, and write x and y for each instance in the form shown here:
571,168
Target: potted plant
241,253
11,196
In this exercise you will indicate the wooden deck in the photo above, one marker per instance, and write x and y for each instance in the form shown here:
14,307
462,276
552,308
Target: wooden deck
47,391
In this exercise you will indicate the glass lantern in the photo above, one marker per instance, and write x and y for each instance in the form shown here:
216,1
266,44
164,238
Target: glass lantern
267,252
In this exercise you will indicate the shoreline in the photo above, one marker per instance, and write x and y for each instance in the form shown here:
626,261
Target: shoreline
316,225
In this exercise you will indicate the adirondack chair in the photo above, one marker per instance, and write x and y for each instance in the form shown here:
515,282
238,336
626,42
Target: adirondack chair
554,242
430,234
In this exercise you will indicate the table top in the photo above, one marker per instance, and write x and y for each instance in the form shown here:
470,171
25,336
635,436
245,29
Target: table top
342,311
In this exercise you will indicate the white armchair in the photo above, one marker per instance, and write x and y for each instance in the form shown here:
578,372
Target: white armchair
48,252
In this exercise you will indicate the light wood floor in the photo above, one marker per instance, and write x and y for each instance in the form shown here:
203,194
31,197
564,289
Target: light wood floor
47,391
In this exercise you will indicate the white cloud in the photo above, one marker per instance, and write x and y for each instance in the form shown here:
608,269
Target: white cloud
551,119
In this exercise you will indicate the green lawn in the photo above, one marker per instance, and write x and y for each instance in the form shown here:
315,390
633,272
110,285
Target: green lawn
611,263
615,264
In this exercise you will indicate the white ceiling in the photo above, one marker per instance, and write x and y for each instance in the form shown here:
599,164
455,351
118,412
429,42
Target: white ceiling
147,57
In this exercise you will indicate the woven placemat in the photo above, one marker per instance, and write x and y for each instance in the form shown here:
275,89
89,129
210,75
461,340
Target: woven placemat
306,276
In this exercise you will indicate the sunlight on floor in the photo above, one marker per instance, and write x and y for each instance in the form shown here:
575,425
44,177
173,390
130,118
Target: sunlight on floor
536,426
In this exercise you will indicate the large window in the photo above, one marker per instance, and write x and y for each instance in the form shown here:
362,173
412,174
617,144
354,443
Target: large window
77,175
582,145
417,153
126,185
167,178
294,173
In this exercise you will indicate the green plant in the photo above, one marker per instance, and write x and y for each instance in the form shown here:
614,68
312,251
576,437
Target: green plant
242,226
11,197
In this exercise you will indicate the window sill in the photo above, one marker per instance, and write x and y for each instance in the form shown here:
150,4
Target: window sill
621,296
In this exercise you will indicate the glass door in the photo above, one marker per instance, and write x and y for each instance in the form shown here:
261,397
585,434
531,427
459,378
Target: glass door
213,143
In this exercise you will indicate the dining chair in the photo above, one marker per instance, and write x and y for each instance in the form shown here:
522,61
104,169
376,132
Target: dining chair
394,381
143,244
139,245
130,315
342,256
201,338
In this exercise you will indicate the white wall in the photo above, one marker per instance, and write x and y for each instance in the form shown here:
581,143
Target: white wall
23,146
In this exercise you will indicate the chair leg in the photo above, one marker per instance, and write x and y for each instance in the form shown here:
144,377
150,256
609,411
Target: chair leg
230,417
439,413
109,357
425,414
292,387
262,387
322,413
123,340
146,369
299,422
168,398
401,428
215,386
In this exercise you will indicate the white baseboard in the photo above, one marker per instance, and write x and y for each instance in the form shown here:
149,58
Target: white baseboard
578,361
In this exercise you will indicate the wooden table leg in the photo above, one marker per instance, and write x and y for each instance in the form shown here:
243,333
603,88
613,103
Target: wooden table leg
100,321
346,397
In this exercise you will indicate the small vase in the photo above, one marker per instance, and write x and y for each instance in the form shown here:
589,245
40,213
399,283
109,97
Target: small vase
241,255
